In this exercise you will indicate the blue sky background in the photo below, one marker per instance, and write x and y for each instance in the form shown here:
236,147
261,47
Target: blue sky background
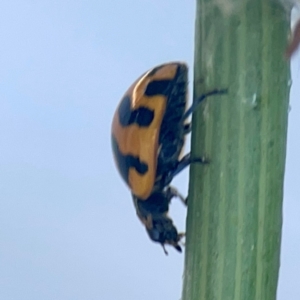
68,228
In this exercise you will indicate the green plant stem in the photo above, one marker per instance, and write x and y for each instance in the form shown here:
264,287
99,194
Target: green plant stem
235,203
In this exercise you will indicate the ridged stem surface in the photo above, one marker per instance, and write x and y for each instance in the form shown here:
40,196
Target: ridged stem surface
235,202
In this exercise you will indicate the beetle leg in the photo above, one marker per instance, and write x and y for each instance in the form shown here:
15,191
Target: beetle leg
147,221
187,128
181,235
186,161
174,193
195,104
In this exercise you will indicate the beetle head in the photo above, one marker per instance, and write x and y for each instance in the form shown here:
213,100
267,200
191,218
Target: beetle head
162,230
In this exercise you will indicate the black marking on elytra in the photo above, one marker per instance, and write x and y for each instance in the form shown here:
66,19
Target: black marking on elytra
142,116
158,87
127,161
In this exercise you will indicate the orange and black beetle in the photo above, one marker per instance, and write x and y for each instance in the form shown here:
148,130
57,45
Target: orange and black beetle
148,131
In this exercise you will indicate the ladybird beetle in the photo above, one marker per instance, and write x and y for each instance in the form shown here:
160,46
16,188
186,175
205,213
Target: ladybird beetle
148,133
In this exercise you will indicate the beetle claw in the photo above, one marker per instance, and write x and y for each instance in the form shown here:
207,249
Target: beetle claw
203,160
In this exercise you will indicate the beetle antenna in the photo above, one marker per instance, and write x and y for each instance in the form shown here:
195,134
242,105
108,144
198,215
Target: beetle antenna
166,252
